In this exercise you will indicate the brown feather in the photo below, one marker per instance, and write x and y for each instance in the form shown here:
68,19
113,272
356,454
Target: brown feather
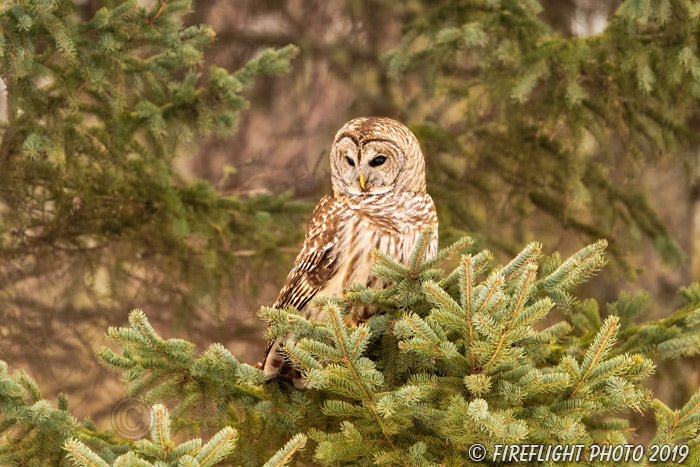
346,225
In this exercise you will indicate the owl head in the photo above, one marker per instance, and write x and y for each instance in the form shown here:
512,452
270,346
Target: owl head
375,155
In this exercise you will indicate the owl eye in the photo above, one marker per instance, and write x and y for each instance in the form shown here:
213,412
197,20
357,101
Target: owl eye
351,163
377,161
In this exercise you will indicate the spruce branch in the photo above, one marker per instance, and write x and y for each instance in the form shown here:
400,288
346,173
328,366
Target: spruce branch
543,96
402,388
125,92
602,343
159,450
284,455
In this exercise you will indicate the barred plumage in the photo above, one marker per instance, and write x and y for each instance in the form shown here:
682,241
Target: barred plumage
378,201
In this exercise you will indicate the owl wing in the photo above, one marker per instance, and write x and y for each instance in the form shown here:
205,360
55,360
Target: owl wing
313,268
316,262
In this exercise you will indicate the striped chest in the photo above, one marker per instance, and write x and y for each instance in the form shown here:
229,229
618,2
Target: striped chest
391,223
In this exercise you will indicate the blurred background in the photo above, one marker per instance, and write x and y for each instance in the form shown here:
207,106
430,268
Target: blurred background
491,171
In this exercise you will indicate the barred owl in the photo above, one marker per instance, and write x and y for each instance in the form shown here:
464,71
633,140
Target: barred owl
378,201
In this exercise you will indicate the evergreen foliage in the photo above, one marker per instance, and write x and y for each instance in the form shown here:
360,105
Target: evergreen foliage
97,112
163,451
529,121
482,354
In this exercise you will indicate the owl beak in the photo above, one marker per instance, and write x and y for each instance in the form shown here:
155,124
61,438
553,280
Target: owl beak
363,180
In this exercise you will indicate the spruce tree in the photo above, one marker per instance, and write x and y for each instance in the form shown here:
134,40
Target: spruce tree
477,354
480,354
95,217
91,206
526,123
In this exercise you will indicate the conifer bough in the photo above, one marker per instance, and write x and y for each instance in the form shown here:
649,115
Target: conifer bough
533,122
97,111
481,354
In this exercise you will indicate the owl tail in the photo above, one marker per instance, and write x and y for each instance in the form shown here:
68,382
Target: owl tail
275,365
